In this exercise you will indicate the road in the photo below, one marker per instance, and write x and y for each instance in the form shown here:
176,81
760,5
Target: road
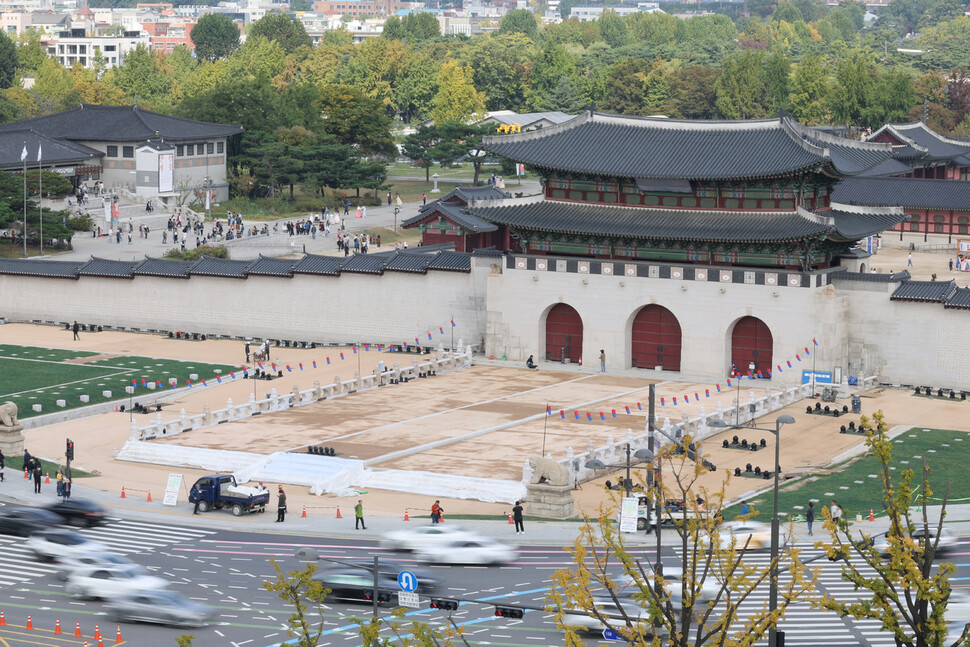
225,569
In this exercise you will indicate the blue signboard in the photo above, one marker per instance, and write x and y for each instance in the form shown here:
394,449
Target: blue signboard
609,634
407,581
821,377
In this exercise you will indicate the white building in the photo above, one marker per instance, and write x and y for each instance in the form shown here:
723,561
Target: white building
76,46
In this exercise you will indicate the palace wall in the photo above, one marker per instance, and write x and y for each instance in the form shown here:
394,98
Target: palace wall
394,307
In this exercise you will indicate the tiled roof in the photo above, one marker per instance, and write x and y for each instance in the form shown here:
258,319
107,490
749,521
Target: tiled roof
938,291
268,266
911,193
919,136
90,122
208,266
105,267
852,223
364,264
959,299
654,148
409,262
488,251
38,267
870,277
527,118
451,261
317,264
661,224
888,167
164,267
54,151
454,213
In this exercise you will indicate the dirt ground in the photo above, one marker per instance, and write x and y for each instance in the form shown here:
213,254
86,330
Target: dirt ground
371,424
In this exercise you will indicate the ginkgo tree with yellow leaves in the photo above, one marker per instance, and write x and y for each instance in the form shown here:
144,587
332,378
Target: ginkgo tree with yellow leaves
696,602
898,581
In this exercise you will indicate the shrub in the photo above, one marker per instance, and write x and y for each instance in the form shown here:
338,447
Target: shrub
197,253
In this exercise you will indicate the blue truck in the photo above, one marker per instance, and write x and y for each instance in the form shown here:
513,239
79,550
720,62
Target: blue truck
220,491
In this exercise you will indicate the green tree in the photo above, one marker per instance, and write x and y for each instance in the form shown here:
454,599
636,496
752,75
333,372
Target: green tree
908,591
740,87
8,61
215,36
850,93
457,98
420,26
458,141
786,11
306,595
715,583
553,62
31,52
501,66
692,92
809,88
519,21
9,111
280,28
393,29
141,78
777,75
567,97
636,87
613,29
416,86
418,148
356,120
301,5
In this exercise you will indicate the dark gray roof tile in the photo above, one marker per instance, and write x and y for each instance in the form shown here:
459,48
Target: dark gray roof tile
164,267
364,264
39,267
907,192
852,223
959,299
268,266
869,277
105,267
54,151
938,291
318,264
208,266
409,262
918,136
452,262
454,213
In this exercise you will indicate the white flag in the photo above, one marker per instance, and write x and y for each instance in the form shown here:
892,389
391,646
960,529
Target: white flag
38,152
23,154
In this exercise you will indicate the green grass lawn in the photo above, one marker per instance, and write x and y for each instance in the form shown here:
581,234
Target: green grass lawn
855,483
31,375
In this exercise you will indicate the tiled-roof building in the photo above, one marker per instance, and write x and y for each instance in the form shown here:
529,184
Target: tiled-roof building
928,153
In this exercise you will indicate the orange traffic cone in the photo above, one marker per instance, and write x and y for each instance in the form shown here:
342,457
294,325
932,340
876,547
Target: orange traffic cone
118,639
123,492
2,620
77,630
30,625
406,517
57,626
149,497
441,517
97,632
100,642
872,517
25,474
303,516
339,516
85,643
47,478
510,519
580,361
491,356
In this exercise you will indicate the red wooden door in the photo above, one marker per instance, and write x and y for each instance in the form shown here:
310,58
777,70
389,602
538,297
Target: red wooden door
656,338
751,342
564,333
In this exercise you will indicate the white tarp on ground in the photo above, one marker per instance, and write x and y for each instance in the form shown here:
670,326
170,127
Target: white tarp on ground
322,474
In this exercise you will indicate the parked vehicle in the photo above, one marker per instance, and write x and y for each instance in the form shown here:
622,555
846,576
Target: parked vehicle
50,545
163,606
25,521
80,513
218,491
110,582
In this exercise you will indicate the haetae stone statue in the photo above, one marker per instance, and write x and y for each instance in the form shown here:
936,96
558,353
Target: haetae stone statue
11,440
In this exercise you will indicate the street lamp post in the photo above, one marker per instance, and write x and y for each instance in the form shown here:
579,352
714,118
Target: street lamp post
775,638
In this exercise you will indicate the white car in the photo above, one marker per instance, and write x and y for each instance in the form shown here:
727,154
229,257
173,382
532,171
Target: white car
957,612
947,540
707,591
67,565
53,545
749,535
423,536
608,608
468,551
164,607
108,582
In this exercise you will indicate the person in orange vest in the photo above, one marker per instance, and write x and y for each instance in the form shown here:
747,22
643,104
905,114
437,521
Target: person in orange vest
436,511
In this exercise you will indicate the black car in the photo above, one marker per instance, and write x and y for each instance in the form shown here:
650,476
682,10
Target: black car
79,513
357,584
25,521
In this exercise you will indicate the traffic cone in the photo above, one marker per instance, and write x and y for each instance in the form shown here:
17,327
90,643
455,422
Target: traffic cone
406,517
580,361
118,639
339,516
85,643
303,516
97,632
510,519
441,517
100,642
30,625
25,474
57,626
872,517
123,492
149,497
47,478
77,630
2,619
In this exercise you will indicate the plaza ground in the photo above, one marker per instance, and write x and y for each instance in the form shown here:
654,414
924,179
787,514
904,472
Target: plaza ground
492,395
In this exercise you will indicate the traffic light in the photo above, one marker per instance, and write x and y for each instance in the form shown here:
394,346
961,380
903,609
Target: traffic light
444,604
69,452
509,612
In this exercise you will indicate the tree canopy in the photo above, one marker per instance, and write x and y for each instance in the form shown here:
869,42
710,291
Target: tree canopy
215,36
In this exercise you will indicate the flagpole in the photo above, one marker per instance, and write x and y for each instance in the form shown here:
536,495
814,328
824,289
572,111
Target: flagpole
813,368
23,156
40,199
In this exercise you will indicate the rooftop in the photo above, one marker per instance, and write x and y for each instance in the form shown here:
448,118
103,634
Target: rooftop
911,193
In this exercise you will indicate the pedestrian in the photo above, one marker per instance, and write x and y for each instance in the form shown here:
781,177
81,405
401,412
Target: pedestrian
359,514
810,517
745,509
951,264
60,482
378,241
37,475
835,511
66,492
75,328
280,504
424,199
388,198
909,260
517,518
28,461
602,361
436,511
247,352
2,467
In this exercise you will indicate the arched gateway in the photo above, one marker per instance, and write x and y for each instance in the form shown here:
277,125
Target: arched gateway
656,339
751,342
564,333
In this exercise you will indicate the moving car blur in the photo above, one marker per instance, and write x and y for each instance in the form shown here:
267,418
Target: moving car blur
25,521
467,551
80,513
108,582
49,545
424,536
163,607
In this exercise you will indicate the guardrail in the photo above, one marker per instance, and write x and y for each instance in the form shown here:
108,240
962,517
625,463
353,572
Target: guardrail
275,401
